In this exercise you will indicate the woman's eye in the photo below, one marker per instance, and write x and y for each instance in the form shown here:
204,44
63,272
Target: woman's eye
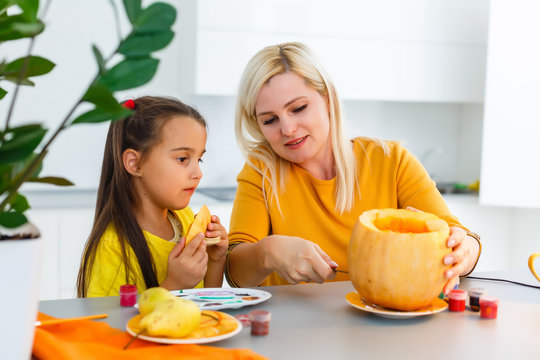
300,108
269,121
201,161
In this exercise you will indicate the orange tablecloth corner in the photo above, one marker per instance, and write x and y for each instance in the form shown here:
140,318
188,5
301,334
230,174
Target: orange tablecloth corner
87,339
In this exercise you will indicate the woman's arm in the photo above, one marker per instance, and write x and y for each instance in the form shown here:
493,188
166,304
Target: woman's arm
294,259
244,265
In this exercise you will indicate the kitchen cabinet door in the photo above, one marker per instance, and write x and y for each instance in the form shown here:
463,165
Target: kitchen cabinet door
391,50
510,174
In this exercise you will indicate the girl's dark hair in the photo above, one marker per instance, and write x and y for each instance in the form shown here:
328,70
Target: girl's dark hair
116,201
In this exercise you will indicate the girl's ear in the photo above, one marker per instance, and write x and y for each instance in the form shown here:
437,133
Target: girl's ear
132,162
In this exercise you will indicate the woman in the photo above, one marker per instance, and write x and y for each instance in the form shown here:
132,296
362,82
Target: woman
304,183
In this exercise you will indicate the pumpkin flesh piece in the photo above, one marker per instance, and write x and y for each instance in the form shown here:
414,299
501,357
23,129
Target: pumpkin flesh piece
200,223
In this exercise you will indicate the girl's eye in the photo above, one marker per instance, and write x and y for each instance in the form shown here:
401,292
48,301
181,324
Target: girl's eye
182,159
300,108
269,121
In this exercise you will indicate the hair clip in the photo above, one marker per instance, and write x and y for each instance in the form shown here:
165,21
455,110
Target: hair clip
129,104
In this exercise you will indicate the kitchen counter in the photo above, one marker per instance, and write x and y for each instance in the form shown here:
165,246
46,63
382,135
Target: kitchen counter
313,321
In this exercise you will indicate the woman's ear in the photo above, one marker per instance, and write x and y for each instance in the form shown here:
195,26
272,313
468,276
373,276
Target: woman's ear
132,162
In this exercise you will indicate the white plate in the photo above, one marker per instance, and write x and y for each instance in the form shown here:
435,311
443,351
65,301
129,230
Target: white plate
188,340
358,302
222,298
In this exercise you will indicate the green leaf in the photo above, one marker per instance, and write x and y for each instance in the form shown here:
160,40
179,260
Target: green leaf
29,8
36,66
22,141
2,93
54,180
92,116
15,80
130,73
140,44
16,27
103,98
133,9
12,219
156,17
99,59
99,115
19,203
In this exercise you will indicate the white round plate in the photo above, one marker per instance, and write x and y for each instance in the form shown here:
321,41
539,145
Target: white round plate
358,302
201,340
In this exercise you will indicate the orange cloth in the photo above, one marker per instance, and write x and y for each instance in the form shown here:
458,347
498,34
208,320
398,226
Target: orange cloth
88,339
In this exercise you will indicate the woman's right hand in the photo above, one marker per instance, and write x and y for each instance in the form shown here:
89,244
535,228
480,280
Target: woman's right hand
186,265
297,260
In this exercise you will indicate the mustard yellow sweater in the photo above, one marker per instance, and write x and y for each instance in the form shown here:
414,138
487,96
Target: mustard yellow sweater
396,180
108,272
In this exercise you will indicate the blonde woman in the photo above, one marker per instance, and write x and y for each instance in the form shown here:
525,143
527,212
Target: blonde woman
305,183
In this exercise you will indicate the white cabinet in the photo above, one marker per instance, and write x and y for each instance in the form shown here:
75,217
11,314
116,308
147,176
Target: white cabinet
510,173
392,50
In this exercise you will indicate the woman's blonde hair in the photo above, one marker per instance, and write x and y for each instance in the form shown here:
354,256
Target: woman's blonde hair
297,58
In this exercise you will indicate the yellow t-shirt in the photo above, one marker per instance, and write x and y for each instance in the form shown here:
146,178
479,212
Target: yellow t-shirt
308,204
108,271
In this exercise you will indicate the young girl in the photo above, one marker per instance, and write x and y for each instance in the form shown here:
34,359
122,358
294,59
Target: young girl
150,170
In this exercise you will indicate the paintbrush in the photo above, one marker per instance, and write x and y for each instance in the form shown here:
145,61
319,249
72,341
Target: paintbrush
59,321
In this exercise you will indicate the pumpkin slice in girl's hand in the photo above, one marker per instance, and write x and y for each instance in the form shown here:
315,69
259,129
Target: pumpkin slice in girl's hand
200,223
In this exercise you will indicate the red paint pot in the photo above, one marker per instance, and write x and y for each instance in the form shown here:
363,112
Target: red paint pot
456,300
489,306
128,295
260,322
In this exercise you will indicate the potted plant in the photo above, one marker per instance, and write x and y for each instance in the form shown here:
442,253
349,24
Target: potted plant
24,147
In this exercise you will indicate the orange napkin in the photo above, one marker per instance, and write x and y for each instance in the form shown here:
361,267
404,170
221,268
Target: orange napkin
87,339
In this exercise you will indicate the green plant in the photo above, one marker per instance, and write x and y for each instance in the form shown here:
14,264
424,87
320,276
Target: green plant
23,148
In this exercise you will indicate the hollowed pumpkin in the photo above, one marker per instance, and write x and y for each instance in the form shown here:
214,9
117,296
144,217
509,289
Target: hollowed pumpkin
396,257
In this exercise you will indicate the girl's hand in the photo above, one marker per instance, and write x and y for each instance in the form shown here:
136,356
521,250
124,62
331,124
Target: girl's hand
462,258
186,265
296,259
218,251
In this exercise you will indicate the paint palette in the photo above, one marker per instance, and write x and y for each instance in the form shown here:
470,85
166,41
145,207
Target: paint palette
223,298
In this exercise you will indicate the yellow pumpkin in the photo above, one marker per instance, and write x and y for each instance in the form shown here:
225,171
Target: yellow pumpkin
396,257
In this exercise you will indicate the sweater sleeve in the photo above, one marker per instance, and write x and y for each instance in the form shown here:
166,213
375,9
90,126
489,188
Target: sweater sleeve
250,220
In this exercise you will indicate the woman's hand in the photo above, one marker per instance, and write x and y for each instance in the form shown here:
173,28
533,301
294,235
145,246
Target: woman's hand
462,258
186,265
296,259
218,251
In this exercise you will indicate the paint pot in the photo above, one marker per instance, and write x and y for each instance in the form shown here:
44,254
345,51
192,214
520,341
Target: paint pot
474,298
128,295
260,322
456,300
489,306
244,319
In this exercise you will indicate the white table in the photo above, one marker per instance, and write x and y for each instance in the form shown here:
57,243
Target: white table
312,321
